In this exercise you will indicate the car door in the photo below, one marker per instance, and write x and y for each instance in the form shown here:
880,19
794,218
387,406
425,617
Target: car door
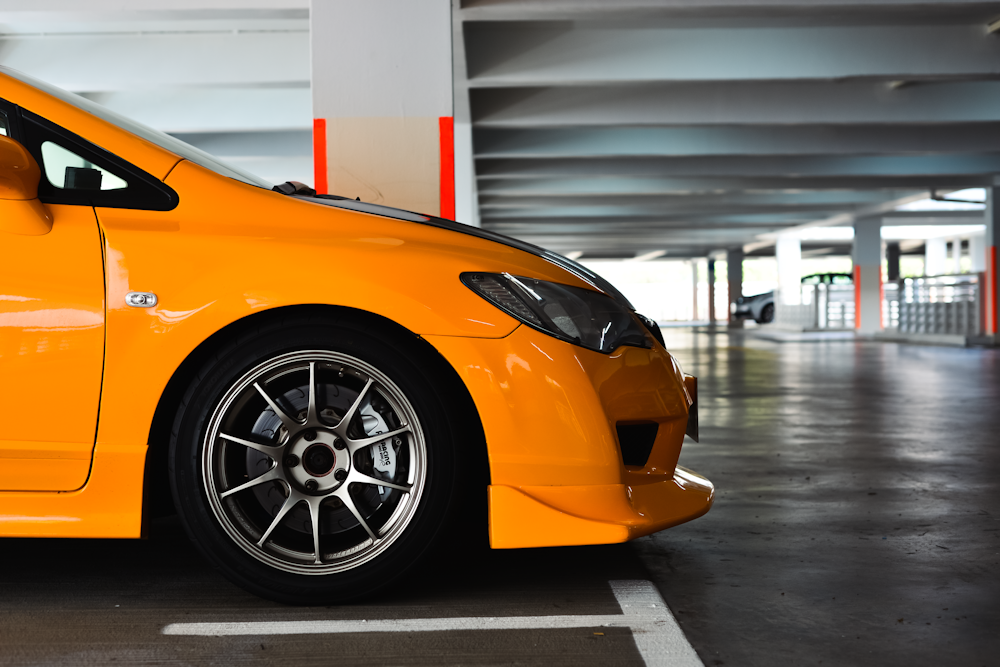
52,316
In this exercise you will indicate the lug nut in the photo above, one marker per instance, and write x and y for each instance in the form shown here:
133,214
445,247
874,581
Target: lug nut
338,444
312,485
291,461
340,475
309,435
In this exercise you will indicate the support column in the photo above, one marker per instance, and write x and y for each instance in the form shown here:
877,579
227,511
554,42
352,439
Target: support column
788,252
977,252
711,292
694,290
466,188
382,102
734,264
992,241
867,257
936,256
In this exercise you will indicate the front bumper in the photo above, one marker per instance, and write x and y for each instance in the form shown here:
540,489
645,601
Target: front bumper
550,411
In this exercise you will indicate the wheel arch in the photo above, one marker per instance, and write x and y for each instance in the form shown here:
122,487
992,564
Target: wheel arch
157,498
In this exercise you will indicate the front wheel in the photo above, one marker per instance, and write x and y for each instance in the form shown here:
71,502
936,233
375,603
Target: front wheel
313,464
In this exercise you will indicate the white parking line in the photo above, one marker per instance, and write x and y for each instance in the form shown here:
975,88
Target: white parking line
660,640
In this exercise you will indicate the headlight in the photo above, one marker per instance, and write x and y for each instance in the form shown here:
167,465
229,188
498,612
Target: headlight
580,316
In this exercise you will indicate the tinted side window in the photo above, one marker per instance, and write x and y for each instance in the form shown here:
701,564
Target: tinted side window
76,171
4,126
68,171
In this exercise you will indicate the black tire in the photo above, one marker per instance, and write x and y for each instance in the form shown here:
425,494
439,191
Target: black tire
766,314
226,430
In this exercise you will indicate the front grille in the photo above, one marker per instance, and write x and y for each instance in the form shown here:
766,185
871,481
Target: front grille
636,442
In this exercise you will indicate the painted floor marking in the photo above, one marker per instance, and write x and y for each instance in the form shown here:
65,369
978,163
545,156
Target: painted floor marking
659,638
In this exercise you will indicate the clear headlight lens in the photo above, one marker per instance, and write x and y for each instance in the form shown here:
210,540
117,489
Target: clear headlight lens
580,316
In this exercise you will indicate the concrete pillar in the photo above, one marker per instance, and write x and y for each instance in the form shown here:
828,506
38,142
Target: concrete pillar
466,191
694,290
382,102
788,252
992,241
734,264
936,256
867,275
892,261
711,291
977,252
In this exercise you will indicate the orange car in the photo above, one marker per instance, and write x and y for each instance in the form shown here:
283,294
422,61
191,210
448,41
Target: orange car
319,386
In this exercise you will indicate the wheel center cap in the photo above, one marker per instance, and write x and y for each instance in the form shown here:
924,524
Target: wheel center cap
319,459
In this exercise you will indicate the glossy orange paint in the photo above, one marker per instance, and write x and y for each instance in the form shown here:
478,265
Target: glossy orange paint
549,410
51,352
230,250
20,210
548,516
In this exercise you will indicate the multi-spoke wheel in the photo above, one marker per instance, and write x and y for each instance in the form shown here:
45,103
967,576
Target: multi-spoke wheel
313,467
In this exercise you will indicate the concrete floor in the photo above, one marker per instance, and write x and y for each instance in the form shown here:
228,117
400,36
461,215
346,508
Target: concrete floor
856,523
858,512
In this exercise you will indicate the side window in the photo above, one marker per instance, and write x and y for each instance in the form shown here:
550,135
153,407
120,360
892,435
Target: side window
4,126
843,280
810,280
68,171
76,171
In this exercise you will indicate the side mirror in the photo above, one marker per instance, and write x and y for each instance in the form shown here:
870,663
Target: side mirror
21,212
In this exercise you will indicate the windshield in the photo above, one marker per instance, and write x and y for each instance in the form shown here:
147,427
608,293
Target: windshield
161,139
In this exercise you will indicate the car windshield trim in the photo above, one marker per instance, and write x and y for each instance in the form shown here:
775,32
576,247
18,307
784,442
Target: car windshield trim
161,139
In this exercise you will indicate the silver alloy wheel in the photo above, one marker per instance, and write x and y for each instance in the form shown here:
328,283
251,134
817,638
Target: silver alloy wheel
314,462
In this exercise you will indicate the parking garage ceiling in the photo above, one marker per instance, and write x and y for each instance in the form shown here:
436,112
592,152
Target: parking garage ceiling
693,125
610,128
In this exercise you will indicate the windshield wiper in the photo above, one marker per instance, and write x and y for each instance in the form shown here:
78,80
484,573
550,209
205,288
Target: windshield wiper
303,190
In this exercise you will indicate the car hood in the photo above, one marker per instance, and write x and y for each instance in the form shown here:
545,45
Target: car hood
581,272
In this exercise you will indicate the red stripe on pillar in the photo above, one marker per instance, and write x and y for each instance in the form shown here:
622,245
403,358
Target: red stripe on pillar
992,302
446,126
857,296
319,156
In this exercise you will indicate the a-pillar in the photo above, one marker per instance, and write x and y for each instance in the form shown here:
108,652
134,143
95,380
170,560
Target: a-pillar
867,257
734,269
788,253
992,241
382,102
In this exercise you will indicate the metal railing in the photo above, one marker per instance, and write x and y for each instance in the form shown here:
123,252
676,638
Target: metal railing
821,307
941,305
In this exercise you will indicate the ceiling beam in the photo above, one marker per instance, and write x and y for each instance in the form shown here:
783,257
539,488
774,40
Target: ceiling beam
737,103
977,166
824,140
770,10
142,62
665,185
566,53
